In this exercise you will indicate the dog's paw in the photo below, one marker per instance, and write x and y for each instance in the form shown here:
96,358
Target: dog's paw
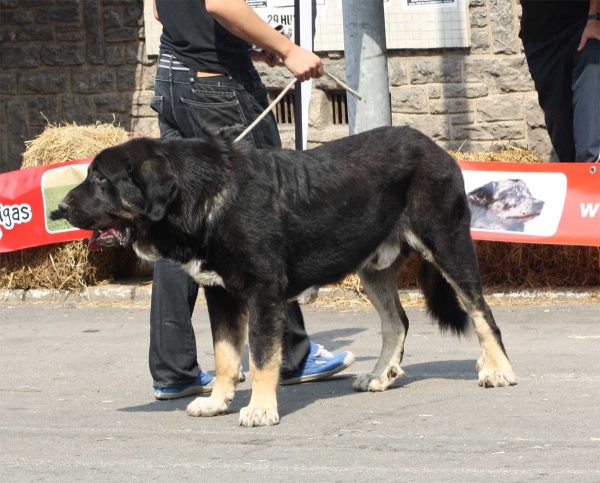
496,377
251,416
206,406
378,383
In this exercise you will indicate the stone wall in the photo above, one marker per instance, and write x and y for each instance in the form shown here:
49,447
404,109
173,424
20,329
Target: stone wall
71,60
479,99
84,61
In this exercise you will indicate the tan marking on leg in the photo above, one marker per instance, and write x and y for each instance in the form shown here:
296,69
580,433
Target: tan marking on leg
262,409
227,366
495,370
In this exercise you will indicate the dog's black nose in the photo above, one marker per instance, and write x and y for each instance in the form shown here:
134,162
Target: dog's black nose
62,206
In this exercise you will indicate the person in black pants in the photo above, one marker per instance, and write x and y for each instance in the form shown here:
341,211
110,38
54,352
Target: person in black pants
206,83
562,47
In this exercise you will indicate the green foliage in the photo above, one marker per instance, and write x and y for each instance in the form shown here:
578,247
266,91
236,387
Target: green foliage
53,196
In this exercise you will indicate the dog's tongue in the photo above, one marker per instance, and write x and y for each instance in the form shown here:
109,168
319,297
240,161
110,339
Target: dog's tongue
108,238
92,244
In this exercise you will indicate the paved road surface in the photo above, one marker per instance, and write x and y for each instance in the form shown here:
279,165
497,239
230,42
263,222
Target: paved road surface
76,405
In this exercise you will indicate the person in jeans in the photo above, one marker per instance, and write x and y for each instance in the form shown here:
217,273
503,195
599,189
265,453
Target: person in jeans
562,47
206,83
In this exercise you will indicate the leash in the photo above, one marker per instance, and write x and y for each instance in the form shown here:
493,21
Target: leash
283,93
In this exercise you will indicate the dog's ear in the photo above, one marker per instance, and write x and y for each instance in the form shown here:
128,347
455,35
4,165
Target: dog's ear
159,197
482,196
158,184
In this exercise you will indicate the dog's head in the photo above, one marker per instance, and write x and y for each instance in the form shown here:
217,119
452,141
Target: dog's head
127,188
509,200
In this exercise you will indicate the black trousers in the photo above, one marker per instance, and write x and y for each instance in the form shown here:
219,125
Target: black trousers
568,86
189,106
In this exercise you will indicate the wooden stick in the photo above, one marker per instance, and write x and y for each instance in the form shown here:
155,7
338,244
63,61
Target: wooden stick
349,89
266,111
283,93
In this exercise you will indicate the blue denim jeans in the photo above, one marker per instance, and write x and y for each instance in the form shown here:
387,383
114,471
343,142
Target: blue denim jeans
568,86
201,107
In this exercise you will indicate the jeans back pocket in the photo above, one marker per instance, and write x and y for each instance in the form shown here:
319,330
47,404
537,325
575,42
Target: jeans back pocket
214,111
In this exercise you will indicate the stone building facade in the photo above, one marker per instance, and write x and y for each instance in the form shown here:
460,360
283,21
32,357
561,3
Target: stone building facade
85,61
71,60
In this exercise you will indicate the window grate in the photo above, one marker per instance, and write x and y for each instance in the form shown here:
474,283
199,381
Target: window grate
339,108
285,109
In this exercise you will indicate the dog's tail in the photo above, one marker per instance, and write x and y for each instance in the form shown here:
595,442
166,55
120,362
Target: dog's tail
442,301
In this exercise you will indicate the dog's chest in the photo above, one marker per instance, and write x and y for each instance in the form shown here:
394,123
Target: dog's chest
202,277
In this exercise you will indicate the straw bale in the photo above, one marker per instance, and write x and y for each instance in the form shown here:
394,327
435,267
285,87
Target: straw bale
66,265
69,142
520,265
510,154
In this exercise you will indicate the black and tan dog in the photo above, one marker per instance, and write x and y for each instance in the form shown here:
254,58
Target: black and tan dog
257,228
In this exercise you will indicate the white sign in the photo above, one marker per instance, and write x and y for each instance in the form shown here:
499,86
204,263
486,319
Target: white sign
428,4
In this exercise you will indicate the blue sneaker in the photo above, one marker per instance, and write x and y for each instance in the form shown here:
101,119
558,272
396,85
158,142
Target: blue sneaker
202,385
320,364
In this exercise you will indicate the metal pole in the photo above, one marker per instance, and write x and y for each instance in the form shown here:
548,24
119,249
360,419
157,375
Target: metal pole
304,29
298,92
366,64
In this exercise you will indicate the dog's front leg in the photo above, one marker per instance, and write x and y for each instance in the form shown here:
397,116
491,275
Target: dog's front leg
228,321
265,334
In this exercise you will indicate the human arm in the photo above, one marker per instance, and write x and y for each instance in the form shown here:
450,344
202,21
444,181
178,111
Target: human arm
239,18
267,57
592,29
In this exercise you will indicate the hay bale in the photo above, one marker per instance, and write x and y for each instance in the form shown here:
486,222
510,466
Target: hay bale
66,265
520,265
511,154
69,142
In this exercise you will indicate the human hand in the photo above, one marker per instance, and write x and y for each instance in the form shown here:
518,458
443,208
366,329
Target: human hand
267,57
303,64
592,31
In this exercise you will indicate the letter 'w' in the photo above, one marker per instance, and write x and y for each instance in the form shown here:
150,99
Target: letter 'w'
589,210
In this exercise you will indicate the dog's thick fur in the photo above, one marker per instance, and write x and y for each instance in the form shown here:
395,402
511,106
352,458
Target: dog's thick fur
257,228
503,205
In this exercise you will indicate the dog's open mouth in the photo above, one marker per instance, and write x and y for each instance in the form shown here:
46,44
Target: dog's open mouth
116,234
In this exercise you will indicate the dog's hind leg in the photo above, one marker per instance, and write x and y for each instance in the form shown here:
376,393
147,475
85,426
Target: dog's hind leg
267,312
454,257
228,320
382,290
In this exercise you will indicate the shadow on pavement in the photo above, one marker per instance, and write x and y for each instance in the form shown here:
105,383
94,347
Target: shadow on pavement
293,398
457,370
336,340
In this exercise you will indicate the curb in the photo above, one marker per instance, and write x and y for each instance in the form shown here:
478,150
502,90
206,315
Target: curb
141,294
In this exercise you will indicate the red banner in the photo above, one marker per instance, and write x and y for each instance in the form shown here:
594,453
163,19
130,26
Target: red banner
28,199
551,203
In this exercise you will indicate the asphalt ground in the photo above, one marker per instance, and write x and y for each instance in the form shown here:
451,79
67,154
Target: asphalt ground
76,404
